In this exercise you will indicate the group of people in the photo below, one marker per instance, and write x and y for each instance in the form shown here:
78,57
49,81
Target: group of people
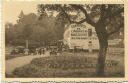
36,51
26,51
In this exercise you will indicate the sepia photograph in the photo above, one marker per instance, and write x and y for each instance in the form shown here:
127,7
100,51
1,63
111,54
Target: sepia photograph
64,40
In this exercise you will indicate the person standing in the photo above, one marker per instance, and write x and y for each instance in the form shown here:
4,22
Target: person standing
26,51
37,51
42,51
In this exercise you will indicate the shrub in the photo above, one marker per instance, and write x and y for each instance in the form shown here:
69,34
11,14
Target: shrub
64,62
66,66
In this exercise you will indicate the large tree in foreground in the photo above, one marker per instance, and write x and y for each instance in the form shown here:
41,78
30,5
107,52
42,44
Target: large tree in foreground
109,21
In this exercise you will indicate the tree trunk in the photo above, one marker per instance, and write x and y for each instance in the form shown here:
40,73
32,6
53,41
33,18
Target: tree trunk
101,58
26,43
103,42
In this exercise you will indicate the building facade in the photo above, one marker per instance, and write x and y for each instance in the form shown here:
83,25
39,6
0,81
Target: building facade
81,36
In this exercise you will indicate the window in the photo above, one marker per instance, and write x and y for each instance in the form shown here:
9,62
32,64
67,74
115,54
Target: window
89,32
90,43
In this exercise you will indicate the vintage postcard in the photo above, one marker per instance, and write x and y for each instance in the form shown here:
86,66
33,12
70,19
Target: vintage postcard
64,41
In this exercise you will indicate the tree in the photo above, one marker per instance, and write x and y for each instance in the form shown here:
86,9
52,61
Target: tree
21,16
8,35
110,20
29,30
20,33
50,28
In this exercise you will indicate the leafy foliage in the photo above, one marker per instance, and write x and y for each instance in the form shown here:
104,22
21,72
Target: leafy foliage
31,28
106,19
79,13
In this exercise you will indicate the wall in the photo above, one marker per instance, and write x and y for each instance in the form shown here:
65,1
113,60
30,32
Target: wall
78,35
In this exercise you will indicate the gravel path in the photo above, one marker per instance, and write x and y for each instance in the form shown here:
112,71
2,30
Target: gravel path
14,63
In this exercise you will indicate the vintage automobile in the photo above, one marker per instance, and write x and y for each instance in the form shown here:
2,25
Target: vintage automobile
18,50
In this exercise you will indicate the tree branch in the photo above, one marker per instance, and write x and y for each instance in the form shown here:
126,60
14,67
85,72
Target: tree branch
116,30
87,19
109,16
102,9
109,9
102,15
68,17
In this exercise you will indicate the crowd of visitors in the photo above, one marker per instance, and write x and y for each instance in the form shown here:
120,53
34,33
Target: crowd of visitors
36,51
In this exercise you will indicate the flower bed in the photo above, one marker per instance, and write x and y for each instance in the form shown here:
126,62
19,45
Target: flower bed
66,66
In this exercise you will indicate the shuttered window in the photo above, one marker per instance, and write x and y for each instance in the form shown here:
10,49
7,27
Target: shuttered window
89,32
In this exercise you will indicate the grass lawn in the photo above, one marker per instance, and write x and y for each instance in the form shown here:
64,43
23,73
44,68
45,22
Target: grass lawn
70,65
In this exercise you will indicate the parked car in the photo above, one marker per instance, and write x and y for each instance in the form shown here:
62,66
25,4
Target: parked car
18,50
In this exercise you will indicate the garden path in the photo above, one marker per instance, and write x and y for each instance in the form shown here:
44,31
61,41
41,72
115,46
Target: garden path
14,63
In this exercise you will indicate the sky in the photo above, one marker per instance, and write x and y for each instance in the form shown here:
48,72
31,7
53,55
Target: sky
11,10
